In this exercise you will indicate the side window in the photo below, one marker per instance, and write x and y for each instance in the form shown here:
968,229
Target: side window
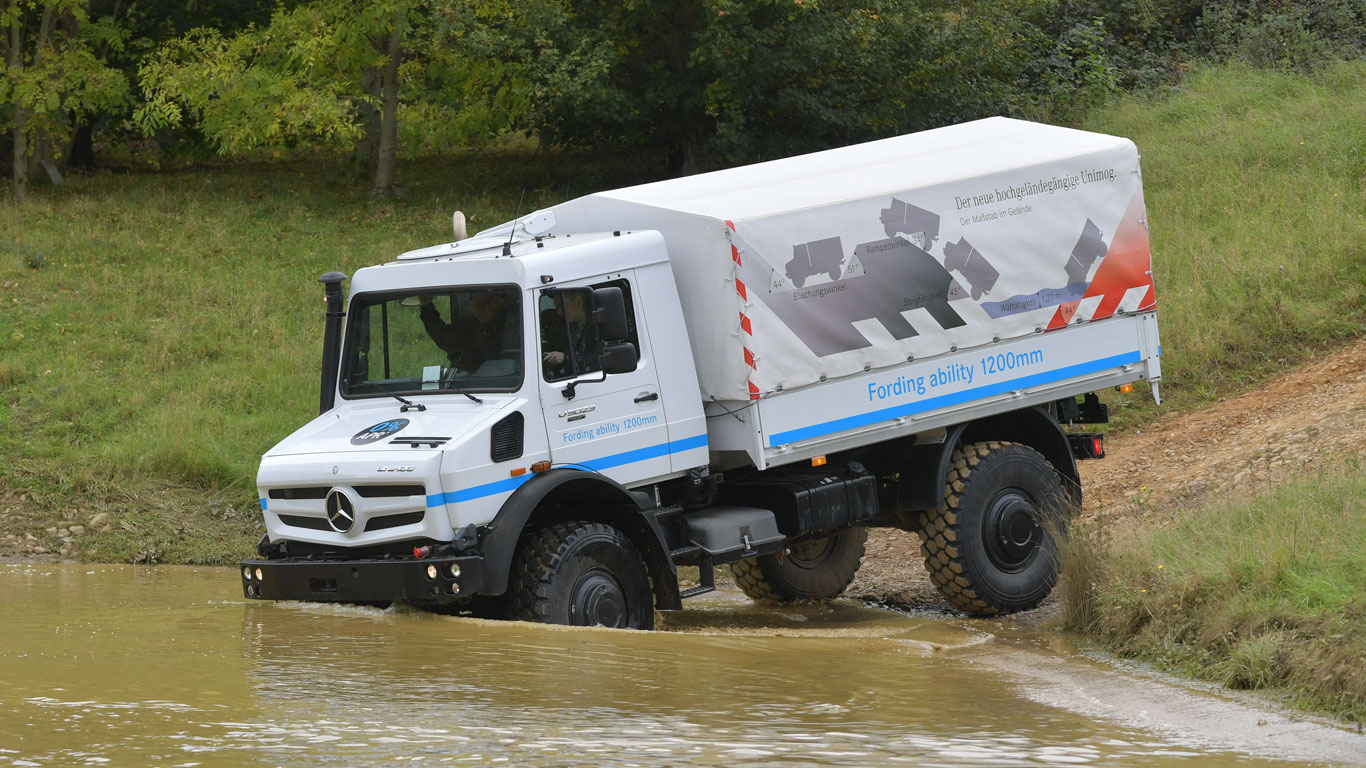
570,345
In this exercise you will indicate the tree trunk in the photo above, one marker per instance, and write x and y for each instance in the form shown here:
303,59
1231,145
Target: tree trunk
367,146
388,131
81,154
20,121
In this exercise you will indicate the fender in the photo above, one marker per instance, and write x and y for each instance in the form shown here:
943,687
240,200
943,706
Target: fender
612,504
1034,427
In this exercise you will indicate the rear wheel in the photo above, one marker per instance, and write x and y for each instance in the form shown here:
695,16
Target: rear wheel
814,569
580,574
990,549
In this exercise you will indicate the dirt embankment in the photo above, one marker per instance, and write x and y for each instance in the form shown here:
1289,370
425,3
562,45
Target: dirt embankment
1296,425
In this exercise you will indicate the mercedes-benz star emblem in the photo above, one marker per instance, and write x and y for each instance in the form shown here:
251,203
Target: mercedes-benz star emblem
341,512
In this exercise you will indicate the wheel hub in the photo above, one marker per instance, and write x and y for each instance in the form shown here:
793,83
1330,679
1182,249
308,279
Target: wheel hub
811,553
598,600
1011,531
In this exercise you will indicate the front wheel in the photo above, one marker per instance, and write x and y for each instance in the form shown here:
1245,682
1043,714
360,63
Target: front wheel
581,574
990,549
815,569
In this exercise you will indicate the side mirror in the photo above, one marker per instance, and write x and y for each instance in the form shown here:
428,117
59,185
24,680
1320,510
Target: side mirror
609,312
619,358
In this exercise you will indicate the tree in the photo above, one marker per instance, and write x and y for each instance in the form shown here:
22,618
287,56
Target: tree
325,73
53,78
706,81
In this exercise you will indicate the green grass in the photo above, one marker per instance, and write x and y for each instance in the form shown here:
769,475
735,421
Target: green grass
1257,209
1266,594
170,331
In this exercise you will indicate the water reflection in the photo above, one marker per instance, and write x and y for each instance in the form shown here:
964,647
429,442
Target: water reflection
129,666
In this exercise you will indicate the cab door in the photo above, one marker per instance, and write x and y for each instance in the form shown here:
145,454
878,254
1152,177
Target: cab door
614,426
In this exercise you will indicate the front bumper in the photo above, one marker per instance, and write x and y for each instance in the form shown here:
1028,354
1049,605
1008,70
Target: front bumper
362,581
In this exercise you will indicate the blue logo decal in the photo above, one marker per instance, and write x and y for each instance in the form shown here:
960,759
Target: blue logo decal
378,432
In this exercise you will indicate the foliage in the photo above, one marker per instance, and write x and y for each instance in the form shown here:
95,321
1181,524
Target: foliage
1299,36
54,76
313,76
295,80
703,82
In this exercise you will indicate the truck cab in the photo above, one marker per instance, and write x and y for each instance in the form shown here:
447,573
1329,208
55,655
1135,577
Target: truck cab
468,369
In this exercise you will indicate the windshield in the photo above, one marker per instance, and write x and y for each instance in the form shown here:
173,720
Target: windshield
450,340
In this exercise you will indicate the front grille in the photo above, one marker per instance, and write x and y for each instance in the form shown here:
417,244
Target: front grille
389,491
312,492
311,523
394,521
507,437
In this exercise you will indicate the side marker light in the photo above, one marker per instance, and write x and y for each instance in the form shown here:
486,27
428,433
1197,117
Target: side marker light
1126,388
818,461
540,466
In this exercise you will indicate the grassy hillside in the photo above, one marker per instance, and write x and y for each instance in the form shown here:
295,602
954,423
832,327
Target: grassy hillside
159,330
1256,188
1266,594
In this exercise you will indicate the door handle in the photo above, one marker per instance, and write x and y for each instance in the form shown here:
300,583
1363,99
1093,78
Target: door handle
644,396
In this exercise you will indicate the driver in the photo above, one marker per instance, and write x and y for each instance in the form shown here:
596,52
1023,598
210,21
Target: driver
468,343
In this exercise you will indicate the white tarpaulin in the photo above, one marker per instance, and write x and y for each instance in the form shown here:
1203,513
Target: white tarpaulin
825,265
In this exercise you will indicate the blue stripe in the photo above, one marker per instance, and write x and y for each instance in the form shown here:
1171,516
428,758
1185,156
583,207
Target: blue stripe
606,462
954,398
480,491
263,504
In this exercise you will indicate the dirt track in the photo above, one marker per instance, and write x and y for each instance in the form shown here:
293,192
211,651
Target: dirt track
1296,425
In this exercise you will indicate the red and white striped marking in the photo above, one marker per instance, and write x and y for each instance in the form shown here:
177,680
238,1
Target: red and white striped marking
744,319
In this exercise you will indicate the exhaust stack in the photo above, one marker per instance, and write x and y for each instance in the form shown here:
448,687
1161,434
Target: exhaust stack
332,286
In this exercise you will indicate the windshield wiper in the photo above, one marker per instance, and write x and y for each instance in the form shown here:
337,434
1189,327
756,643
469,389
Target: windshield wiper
449,383
408,405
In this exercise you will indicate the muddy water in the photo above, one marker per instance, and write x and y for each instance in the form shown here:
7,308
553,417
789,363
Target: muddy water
168,667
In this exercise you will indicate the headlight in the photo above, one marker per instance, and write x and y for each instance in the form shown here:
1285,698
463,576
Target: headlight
455,570
431,571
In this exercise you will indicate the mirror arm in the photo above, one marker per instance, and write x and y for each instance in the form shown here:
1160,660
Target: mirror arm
569,389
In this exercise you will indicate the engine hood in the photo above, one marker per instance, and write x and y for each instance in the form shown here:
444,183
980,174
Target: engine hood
380,425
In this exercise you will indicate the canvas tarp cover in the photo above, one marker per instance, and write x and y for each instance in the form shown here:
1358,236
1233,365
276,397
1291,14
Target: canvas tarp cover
815,267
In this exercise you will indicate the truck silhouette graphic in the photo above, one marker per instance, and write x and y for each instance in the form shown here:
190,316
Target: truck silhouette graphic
972,265
1090,247
912,220
814,258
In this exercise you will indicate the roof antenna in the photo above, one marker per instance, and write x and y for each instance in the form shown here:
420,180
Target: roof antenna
507,247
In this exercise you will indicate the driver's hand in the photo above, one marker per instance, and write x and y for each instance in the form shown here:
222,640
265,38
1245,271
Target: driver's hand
554,357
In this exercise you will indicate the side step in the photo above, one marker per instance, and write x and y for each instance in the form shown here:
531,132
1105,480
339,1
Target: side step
706,578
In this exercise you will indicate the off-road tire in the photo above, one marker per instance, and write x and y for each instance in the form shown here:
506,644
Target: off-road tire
581,574
815,569
990,549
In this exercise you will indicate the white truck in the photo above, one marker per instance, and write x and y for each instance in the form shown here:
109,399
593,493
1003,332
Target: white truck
748,367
